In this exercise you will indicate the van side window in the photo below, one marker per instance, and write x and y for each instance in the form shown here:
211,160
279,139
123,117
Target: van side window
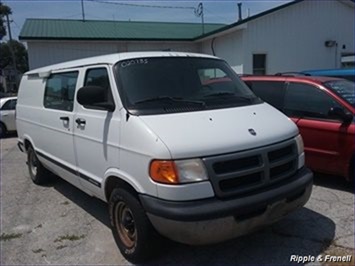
60,90
99,77
272,92
308,101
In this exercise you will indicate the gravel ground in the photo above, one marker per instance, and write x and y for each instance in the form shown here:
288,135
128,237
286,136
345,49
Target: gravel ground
59,224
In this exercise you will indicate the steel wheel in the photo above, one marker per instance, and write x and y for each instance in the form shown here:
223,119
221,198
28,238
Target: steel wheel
38,173
33,164
131,228
125,225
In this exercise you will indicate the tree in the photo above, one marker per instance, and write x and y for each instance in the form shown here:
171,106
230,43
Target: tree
20,53
4,11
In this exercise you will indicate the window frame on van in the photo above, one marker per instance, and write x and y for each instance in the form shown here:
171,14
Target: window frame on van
85,74
154,111
76,84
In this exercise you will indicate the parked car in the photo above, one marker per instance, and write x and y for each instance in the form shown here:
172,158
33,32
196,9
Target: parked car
169,149
7,115
323,109
345,73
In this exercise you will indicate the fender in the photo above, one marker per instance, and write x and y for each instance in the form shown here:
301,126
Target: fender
125,177
25,138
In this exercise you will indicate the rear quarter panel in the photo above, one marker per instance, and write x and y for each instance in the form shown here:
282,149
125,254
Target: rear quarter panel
28,109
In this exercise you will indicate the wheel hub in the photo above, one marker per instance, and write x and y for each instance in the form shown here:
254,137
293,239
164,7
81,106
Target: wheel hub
33,164
125,225
127,221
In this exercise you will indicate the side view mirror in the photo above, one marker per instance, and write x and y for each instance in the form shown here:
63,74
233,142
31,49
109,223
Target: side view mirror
340,113
93,97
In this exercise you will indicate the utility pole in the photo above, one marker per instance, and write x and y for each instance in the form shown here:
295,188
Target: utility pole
82,10
202,19
11,49
199,13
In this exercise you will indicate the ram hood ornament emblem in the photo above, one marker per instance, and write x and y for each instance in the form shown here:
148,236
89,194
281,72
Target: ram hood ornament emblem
252,131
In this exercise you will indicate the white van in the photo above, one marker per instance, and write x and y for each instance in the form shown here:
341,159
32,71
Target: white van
174,142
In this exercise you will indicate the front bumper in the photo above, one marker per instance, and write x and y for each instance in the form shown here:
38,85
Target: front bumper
214,220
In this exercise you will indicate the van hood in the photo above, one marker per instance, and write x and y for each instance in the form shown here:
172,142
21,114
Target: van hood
212,132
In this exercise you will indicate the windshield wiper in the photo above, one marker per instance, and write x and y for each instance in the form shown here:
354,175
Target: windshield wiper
170,99
238,97
219,94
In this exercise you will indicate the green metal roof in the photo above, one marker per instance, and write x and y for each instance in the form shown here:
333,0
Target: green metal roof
61,29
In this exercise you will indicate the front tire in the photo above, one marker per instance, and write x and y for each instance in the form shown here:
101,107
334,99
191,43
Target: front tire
134,235
38,173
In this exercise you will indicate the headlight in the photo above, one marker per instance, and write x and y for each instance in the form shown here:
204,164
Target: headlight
299,142
177,172
300,150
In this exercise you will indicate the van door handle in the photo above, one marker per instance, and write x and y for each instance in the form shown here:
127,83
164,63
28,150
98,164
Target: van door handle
64,118
80,121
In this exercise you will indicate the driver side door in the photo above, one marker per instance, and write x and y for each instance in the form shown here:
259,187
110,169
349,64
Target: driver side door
96,133
324,136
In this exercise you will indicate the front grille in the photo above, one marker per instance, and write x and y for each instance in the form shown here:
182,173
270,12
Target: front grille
242,172
280,153
246,180
236,165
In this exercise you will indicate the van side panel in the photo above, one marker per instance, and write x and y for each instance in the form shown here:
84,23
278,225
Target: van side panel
51,137
28,110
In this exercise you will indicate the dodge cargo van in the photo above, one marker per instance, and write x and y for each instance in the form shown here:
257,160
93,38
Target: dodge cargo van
175,143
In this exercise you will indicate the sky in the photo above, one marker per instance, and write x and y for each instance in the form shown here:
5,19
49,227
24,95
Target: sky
225,12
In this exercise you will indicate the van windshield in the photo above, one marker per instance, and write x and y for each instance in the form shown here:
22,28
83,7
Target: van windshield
344,88
180,84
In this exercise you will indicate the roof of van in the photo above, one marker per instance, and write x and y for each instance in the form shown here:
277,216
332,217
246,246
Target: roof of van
112,59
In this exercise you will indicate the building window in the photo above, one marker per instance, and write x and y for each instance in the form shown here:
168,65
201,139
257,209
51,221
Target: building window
259,64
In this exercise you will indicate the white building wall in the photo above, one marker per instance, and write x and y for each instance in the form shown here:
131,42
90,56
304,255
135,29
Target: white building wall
293,38
42,53
228,47
160,46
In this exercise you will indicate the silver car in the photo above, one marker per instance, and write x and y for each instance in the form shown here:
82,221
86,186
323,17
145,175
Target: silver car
7,115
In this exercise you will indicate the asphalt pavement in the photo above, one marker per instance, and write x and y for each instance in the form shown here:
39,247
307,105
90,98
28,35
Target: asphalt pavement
59,224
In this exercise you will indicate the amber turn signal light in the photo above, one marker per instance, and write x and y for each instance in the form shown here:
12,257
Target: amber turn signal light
163,172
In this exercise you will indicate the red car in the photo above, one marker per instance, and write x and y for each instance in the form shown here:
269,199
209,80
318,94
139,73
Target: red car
323,109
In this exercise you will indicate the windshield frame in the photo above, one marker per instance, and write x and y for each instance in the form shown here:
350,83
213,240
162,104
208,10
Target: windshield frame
157,111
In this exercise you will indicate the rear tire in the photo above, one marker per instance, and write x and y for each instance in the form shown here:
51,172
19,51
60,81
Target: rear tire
2,130
38,173
134,235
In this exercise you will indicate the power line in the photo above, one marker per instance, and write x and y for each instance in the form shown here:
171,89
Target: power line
141,5
197,10
217,16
